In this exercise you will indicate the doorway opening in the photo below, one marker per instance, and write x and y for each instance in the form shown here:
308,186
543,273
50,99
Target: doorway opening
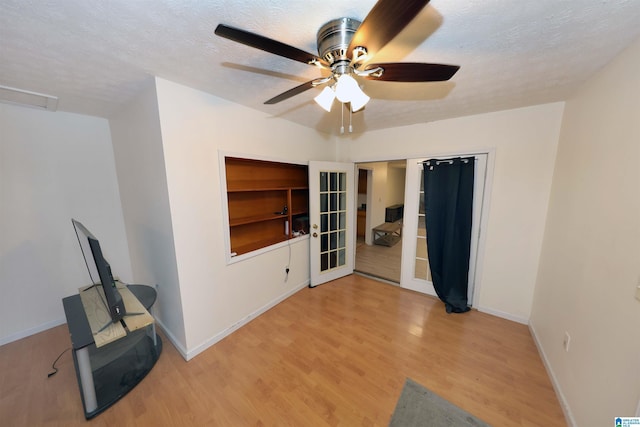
381,193
396,185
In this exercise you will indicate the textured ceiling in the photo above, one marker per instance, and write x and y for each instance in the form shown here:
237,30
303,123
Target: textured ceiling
96,55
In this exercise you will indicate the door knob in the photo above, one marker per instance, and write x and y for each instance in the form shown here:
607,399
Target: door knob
315,226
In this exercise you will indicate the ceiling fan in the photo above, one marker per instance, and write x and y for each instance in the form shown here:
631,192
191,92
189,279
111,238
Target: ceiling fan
345,47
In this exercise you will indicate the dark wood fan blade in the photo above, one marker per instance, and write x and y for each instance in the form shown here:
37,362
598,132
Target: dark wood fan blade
291,92
383,23
413,72
266,44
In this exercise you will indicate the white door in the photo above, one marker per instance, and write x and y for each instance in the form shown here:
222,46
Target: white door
415,272
331,217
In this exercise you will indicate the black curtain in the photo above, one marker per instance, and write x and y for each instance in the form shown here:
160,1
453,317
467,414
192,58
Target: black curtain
448,200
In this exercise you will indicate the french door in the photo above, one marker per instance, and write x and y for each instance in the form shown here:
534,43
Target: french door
331,219
332,202
415,271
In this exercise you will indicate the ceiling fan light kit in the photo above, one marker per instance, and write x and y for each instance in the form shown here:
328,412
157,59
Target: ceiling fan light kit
359,101
346,90
326,97
345,47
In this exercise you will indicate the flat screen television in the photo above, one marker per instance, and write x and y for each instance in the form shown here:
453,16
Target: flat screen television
99,271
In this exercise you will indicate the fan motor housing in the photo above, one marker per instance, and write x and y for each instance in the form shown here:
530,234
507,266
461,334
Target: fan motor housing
334,38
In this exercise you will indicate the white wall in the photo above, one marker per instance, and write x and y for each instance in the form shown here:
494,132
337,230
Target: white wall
590,263
53,167
196,127
525,142
142,180
395,185
377,198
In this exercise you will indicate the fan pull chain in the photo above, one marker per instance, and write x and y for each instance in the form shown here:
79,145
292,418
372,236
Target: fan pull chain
342,113
350,113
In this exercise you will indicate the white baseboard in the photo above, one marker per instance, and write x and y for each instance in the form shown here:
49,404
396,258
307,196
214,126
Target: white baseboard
190,354
571,422
31,331
503,315
172,338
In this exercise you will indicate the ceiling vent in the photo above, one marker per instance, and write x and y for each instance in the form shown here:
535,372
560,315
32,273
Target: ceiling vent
11,95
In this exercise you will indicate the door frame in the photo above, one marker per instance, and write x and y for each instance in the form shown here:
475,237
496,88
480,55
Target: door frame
369,202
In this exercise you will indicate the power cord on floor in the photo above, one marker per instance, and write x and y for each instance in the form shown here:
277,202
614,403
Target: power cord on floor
53,366
287,267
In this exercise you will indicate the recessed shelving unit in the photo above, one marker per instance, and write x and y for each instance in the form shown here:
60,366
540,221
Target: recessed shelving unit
268,202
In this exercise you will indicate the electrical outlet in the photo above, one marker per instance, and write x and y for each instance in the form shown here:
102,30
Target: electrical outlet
567,341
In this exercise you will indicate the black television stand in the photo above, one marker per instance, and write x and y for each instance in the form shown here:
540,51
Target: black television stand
105,374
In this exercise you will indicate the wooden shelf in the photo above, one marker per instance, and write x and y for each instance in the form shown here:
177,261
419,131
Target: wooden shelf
255,245
255,218
258,195
256,175
266,188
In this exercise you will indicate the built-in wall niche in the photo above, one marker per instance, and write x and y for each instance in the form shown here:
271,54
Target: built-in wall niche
267,201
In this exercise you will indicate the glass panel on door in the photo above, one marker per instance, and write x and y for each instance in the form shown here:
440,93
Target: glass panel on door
333,211
422,269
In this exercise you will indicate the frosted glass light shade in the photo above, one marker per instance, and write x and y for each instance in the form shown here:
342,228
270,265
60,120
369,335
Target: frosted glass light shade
346,88
359,101
325,98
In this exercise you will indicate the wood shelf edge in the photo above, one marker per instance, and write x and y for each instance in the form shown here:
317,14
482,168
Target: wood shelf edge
270,188
253,219
243,249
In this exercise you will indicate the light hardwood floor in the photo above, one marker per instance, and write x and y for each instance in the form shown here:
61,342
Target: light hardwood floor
333,355
379,261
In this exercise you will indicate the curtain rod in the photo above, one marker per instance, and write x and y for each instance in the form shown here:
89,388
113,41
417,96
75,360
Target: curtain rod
450,161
